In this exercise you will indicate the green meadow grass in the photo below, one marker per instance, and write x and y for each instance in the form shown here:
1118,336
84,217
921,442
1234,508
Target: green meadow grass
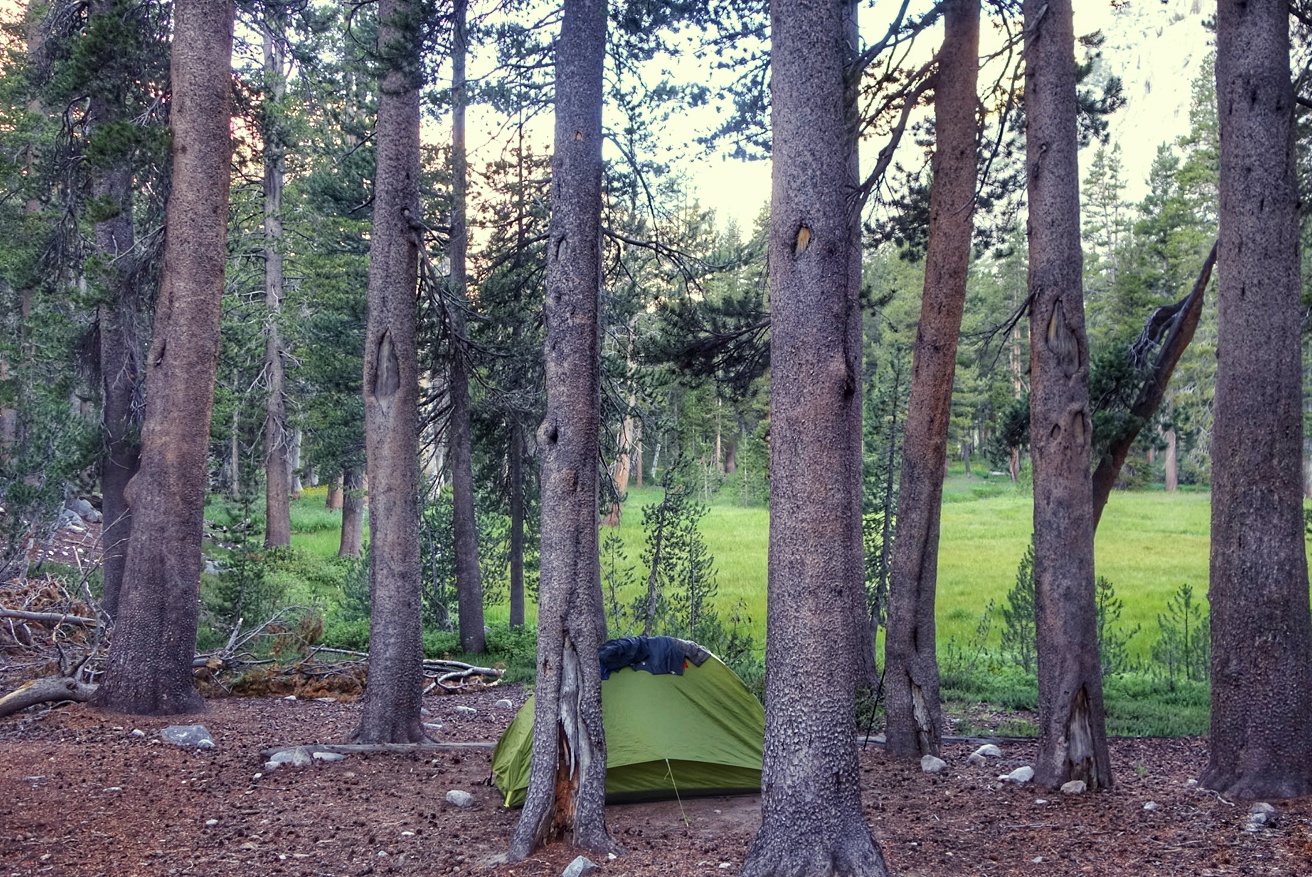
1148,545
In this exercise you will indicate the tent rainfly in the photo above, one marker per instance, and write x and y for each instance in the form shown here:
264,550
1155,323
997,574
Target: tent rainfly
678,722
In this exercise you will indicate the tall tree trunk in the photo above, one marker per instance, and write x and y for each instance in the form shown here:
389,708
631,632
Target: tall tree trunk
567,779
149,667
1261,626
469,578
277,438
911,676
393,695
333,498
121,331
1172,462
515,477
1072,723
811,817
352,541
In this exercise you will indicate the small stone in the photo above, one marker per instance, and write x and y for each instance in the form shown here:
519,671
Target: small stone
579,866
114,789
1037,859
461,799
257,776
976,759
933,764
1074,787
1019,775
327,756
188,735
1263,815
505,704
290,697
210,823
467,710
1191,783
988,750
407,834
1151,805
137,732
1039,802
326,699
433,726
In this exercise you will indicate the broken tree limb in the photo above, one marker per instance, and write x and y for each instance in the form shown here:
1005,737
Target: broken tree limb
1169,331
350,748
48,690
49,617
455,670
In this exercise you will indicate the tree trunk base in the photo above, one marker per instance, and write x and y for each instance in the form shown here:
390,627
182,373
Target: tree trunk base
1267,784
855,854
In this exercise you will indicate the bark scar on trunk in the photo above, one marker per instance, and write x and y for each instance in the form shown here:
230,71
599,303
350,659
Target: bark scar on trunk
803,240
1079,742
387,371
1062,342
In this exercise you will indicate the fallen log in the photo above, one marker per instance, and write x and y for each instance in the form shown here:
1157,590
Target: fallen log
47,690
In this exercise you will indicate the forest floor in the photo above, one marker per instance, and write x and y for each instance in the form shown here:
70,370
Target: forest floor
87,793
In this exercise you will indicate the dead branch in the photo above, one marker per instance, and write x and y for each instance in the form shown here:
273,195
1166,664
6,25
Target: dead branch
47,690
48,617
350,748
1167,334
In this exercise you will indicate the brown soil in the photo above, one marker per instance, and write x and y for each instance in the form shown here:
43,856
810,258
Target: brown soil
82,794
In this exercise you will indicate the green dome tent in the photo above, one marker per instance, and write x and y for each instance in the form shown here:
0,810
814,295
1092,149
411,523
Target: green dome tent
699,733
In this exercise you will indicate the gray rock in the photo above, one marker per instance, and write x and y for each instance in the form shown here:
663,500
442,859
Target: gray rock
1151,805
84,510
459,798
467,710
1262,815
1019,775
579,866
504,704
933,764
194,736
297,756
976,759
988,750
1074,787
327,756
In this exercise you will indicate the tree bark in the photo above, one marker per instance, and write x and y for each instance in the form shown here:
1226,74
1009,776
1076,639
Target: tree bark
335,496
1261,626
352,541
469,578
1072,732
394,691
149,665
1171,463
122,337
515,477
567,779
911,678
811,817
277,438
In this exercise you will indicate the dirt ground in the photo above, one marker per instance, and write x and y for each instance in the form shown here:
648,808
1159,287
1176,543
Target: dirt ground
85,793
